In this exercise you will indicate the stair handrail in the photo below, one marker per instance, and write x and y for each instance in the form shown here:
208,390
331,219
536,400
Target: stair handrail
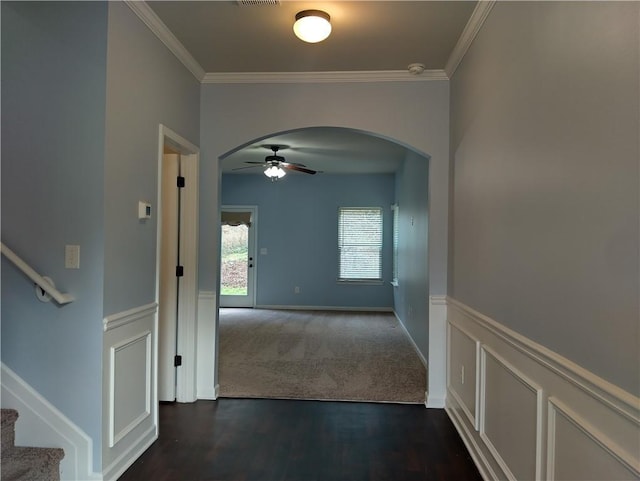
60,297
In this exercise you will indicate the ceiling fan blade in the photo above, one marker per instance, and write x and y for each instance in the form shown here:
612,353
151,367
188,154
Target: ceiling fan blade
249,167
254,162
289,166
274,147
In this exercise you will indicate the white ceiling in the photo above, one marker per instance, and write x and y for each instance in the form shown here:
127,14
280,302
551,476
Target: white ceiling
367,36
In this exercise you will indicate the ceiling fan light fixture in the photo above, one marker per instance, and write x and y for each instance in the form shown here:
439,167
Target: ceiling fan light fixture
312,26
274,172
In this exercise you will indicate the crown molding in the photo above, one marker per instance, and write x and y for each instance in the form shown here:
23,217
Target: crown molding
323,77
471,29
157,26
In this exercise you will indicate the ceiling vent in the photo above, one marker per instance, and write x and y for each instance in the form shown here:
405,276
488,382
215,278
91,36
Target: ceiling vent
258,3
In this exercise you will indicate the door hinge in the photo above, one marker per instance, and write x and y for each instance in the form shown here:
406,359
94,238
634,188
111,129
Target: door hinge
177,361
179,271
180,181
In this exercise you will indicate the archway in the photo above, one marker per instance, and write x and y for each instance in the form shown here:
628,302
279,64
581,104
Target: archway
415,114
359,153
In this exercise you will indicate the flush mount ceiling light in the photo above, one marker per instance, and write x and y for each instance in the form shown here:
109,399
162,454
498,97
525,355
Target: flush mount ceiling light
312,25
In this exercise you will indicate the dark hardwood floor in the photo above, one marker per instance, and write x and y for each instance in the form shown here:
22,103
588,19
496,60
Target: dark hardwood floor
273,440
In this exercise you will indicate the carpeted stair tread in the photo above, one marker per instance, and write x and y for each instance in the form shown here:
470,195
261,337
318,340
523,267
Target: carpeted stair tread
31,464
18,463
9,417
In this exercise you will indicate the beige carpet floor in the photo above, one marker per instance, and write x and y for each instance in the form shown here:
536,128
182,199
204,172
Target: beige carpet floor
347,356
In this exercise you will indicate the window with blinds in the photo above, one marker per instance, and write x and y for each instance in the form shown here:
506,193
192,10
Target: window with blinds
360,243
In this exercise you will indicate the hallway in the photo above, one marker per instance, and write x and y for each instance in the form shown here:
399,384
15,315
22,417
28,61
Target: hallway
269,440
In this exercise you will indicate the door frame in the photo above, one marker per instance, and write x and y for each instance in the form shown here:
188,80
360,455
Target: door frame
253,242
188,291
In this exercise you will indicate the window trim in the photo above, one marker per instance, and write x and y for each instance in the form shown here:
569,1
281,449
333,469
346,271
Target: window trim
395,214
354,280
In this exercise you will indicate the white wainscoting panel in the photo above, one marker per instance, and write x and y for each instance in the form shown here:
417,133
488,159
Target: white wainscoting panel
207,352
463,370
578,452
130,399
538,415
510,419
130,385
42,424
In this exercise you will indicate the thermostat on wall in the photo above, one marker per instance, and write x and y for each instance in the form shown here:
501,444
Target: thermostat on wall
144,210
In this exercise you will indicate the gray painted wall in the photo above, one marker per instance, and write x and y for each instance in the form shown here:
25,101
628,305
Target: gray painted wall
53,114
146,86
411,297
413,113
545,149
298,225
79,149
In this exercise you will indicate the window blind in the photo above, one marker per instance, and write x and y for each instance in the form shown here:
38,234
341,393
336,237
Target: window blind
360,243
236,218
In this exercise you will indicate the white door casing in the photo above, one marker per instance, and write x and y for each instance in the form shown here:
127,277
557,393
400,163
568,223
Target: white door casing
184,334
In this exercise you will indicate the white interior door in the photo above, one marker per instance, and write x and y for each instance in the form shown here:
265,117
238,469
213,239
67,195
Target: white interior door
168,299
237,256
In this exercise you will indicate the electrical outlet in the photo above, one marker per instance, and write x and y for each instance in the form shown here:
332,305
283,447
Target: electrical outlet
462,374
296,290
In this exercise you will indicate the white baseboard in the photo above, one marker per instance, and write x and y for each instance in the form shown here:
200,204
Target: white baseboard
474,449
436,365
42,424
413,343
126,459
558,411
433,402
324,308
418,352
209,394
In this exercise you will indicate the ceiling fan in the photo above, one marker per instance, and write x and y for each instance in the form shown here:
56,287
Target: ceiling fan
274,165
